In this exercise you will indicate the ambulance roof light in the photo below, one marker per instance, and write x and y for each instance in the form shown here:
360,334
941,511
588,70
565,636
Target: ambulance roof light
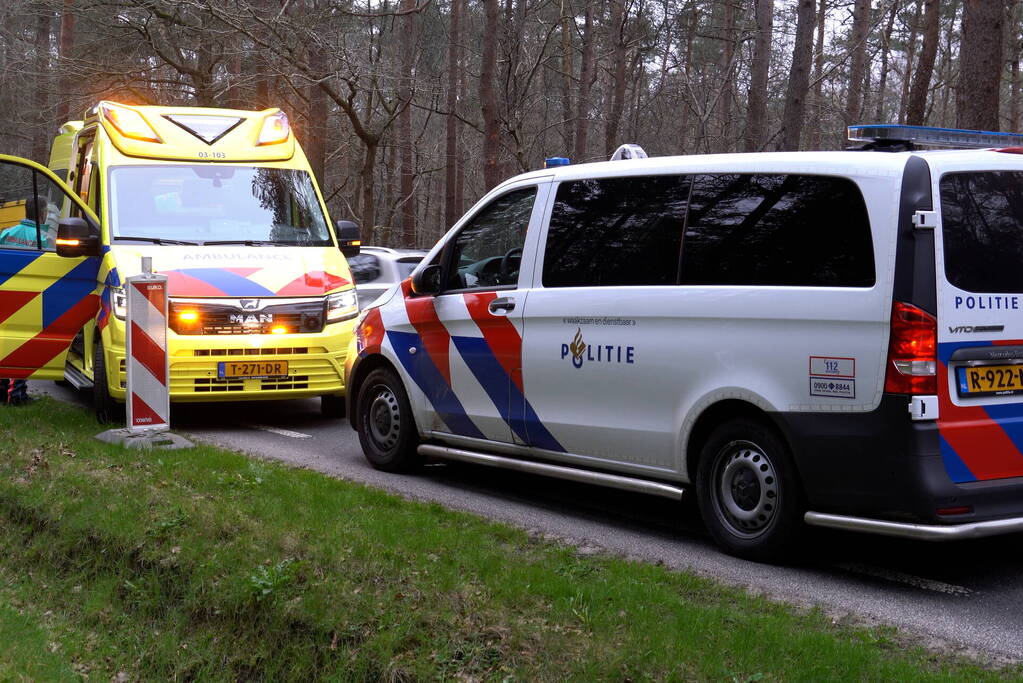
552,162
275,129
128,122
927,136
628,151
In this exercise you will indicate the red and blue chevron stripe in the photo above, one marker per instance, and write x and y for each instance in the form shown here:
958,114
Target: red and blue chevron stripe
244,282
978,443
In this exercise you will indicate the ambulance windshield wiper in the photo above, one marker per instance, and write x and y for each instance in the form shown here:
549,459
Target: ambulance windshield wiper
247,243
154,240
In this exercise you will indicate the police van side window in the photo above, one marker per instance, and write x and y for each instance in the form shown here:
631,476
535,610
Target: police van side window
487,252
608,232
982,230
780,230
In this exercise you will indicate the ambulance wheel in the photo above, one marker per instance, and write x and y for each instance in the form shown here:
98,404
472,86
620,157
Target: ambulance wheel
108,411
387,430
748,492
332,406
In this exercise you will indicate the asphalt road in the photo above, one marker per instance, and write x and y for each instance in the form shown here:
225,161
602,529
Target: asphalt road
957,596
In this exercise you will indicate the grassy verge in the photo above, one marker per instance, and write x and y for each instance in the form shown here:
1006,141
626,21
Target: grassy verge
206,564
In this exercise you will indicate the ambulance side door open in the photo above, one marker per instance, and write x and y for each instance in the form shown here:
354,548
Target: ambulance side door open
45,298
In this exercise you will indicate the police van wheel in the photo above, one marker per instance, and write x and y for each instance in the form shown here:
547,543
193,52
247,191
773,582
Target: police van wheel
748,492
387,430
108,411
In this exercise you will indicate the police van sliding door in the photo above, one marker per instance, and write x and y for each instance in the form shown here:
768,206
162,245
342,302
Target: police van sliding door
660,295
45,299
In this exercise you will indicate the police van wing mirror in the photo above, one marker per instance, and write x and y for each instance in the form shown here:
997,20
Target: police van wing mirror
349,238
427,280
77,237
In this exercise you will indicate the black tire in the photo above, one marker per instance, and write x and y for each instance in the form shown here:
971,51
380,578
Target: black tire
387,429
332,406
108,410
748,491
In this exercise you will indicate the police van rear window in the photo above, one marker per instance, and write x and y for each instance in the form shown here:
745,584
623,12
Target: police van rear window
982,230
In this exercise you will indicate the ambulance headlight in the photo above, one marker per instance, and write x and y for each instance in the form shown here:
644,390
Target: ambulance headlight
342,306
119,302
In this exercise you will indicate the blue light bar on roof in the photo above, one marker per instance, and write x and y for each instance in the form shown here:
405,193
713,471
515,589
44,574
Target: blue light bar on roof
926,136
551,162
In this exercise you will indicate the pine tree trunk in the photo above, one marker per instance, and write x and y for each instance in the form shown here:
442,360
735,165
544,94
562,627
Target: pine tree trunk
886,44
451,208
488,99
925,67
799,77
818,75
980,64
66,46
618,64
858,64
759,71
582,129
408,201
907,75
567,73
42,79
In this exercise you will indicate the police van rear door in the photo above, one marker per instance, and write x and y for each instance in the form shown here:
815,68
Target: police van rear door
979,252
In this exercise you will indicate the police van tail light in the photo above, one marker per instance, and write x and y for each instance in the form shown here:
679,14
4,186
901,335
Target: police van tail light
912,366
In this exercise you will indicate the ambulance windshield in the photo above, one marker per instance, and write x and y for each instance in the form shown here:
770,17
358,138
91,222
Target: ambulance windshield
207,204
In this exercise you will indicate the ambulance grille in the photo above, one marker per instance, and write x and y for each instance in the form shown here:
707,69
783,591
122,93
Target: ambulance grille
212,384
305,317
296,382
284,351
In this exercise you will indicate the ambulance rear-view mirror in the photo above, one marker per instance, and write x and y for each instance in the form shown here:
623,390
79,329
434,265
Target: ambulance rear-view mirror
349,238
427,280
77,237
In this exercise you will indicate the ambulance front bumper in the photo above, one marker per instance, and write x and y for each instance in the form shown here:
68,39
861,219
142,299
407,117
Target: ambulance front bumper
919,532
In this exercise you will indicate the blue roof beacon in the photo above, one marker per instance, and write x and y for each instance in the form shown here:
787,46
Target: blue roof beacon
551,162
926,136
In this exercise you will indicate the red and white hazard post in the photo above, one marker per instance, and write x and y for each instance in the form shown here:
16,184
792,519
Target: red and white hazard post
148,394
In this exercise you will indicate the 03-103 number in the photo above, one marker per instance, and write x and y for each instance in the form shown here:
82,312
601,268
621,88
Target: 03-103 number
212,155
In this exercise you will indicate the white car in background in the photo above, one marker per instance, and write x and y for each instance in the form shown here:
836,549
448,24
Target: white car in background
375,269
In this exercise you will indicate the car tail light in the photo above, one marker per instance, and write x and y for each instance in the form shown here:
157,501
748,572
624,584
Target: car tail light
912,353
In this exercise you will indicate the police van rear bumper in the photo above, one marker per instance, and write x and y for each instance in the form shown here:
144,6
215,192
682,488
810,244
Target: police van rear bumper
920,532
883,473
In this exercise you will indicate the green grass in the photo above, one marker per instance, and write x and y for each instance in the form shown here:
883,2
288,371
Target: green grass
204,564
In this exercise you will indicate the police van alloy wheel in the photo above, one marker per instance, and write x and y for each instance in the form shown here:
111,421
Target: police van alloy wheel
747,491
387,430
108,411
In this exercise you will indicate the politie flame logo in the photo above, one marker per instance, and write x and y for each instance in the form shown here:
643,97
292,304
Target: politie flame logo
577,347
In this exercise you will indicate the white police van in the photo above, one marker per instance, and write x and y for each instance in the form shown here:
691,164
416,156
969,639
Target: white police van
822,338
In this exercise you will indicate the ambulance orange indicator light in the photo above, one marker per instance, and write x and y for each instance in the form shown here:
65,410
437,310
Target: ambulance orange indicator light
276,129
64,242
129,122
279,329
188,316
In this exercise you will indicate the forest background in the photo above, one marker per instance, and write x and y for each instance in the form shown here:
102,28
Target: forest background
409,110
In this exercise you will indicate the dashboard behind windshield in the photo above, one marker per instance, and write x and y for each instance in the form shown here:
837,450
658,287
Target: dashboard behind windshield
206,204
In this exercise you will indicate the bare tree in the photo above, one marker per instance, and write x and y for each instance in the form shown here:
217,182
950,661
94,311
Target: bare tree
980,64
925,67
799,77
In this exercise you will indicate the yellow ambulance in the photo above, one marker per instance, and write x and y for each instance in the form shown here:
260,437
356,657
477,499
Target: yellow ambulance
262,303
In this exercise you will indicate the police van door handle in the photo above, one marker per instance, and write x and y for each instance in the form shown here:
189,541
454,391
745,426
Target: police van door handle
503,304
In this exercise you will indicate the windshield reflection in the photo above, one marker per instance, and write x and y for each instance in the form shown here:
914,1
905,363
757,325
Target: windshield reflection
216,205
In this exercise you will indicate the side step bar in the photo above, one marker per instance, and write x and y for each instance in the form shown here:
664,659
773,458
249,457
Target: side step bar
76,379
921,532
614,481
